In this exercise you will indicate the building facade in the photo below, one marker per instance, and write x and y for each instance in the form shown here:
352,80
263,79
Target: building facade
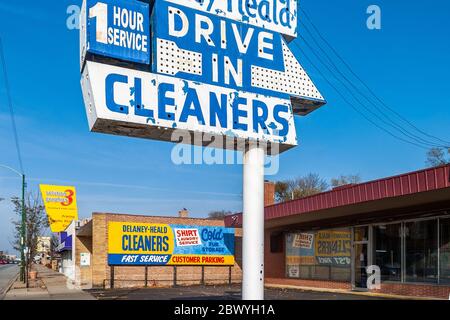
396,230
92,267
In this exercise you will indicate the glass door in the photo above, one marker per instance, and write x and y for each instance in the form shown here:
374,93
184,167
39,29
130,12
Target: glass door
360,264
360,257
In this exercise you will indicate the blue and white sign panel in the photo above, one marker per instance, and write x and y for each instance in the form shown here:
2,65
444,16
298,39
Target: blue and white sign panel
118,29
208,48
217,68
279,16
156,101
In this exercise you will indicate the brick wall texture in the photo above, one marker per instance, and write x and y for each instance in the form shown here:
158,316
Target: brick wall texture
402,289
269,193
83,245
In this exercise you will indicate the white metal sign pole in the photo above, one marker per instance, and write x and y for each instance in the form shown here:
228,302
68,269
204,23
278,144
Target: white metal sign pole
253,224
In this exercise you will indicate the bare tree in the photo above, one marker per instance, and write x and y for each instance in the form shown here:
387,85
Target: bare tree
282,191
218,215
36,223
345,180
436,157
301,187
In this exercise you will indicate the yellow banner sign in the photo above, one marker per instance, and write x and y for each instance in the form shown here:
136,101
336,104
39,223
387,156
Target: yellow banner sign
60,204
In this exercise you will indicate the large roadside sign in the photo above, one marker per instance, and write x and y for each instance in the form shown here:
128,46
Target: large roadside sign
221,68
60,204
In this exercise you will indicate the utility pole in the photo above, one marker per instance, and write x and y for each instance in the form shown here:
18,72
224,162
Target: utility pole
23,274
23,227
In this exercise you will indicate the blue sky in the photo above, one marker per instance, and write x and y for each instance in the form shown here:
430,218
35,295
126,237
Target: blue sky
406,63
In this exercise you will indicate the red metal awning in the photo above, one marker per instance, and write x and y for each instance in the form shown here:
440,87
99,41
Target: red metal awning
397,186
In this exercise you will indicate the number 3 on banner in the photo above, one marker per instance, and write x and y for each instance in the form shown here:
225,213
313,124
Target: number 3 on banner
100,12
69,198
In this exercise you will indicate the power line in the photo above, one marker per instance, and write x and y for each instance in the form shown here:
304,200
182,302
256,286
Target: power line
403,119
10,104
351,104
361,103
391,123
418,141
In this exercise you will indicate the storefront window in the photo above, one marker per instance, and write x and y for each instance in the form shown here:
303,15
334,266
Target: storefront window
421,258
444,251
324,255
388,247
409,251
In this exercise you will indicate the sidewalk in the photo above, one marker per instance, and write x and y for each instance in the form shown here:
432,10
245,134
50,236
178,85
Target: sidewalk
50,285
283,284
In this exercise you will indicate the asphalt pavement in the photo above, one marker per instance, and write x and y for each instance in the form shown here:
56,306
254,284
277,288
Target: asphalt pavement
8,273
217,293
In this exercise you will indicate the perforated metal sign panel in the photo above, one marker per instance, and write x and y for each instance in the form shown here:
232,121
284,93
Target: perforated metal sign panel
211,49
172,60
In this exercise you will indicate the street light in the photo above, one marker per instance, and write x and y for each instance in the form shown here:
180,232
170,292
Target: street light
23,276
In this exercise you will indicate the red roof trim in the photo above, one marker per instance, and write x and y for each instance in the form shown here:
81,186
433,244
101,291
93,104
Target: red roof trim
395,186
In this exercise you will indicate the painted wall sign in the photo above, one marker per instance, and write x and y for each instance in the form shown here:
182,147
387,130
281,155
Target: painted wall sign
118,29
164,244
60,204
276,15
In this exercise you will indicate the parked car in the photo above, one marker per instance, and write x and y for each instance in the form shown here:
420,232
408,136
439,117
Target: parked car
2,261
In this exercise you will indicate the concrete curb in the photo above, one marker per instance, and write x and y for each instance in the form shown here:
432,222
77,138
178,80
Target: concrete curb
8,287
367,294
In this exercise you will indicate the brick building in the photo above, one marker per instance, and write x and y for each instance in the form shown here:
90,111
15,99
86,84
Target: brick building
399,224
89,251
88,240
